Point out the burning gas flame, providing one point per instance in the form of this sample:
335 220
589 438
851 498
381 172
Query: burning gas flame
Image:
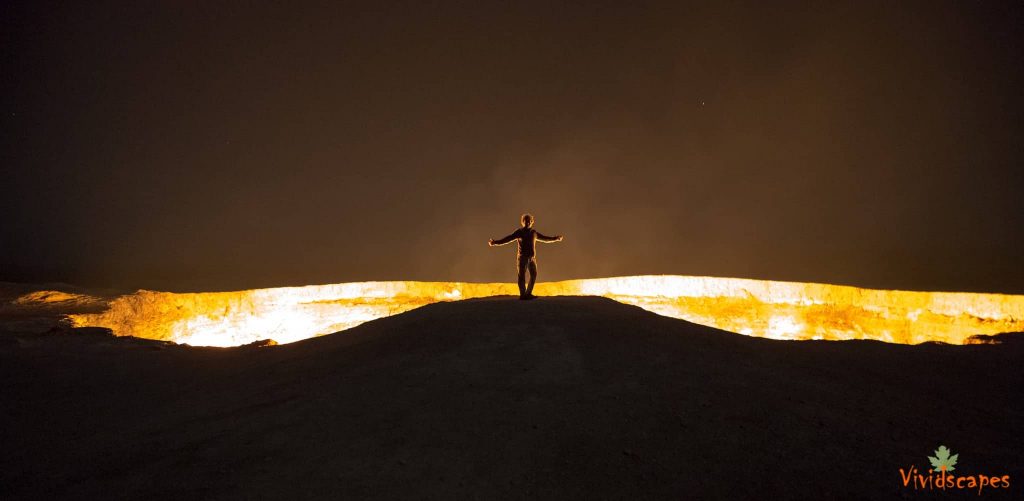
777 310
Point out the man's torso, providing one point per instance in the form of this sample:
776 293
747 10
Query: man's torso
527 238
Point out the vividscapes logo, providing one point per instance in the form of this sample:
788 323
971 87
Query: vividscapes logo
938 476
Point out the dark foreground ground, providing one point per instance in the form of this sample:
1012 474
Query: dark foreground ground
556 398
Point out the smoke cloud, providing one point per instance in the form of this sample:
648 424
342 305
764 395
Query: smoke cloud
213 148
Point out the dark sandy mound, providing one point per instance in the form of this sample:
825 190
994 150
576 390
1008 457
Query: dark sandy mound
561 397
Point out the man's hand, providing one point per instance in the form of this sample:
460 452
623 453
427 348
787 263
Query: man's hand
490 242
558 238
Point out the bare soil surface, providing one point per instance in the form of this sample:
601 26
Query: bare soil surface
557 398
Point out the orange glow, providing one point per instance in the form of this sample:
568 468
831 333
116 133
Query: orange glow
777 310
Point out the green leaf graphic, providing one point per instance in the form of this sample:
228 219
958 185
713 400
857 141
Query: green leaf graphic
942 460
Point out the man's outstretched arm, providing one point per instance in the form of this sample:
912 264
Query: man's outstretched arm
501 241
546 239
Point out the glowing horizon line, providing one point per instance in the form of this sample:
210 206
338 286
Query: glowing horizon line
764 308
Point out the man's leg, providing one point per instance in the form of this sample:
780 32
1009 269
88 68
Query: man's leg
522 277
533 276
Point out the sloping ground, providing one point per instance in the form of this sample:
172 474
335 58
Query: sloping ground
563 397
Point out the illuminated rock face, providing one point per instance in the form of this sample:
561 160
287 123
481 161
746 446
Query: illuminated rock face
778 310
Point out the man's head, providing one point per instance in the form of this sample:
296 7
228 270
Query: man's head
527 220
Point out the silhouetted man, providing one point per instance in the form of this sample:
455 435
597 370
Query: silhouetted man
526 237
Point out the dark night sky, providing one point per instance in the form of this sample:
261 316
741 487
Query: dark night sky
201 146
